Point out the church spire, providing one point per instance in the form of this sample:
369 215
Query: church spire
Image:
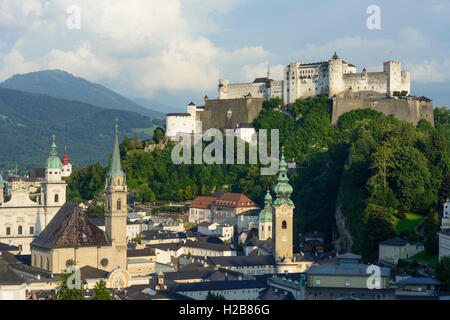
53 161
266 214
116 166
283 189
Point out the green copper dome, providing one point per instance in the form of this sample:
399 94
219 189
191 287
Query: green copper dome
283 189
53 161
266 214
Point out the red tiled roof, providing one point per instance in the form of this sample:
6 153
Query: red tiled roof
234 200
202 202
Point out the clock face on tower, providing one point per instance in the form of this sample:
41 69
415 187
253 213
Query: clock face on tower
285 209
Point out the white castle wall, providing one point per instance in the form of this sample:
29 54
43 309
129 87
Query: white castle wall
302 80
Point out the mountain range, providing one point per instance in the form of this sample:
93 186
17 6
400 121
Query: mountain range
61 84
28 121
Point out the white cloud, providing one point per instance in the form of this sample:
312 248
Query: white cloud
250 72
430 71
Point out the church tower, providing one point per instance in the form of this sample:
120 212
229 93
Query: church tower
66 165
116 202
283 216
53 192
2 185
446 215
265 219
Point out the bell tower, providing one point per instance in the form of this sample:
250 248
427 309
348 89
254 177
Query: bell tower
283 216
53 192
265 219
116 201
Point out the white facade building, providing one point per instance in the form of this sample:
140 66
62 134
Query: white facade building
21 219
302 80
444 243
446 215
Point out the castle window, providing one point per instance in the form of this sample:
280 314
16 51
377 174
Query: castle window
284 224
56 198
31 230
8 231
119 204
19 230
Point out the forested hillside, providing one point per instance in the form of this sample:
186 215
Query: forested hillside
385 176
28 121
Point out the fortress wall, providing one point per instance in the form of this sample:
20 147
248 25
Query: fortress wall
236 91
410 110
375 81
242 111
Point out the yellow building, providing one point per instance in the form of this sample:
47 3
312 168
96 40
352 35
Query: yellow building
72 236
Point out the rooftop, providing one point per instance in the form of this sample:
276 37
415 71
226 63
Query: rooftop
220 285
242 261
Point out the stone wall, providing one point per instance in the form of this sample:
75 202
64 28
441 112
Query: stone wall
228 113
408 109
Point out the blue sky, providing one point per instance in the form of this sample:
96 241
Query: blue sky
174 51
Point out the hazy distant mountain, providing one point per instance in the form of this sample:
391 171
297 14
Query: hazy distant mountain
154 105
61 84
28 120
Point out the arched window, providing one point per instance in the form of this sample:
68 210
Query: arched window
119 204
284 224
262 228
268 228
41 264
56 198
19 231
48 264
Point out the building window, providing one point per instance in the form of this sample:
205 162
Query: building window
284 224
8 231
48 264
41 264
119 205
32 230
347 283
56 198
317 281
19 230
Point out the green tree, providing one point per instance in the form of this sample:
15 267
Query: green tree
62 290
212 296
431 229
100 291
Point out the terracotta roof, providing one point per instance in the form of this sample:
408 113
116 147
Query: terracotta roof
202 202
70 228
234 200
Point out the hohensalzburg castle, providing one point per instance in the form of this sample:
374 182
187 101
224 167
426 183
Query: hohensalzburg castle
239 104
303 80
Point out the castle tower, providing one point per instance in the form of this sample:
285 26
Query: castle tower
2 186
283 216
336 77
116 203
53 192
393 69
446 215
265 219
66 165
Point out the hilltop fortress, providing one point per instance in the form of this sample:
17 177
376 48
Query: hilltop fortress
239 104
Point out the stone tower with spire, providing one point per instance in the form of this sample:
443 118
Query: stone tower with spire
265 219
2 186
116 206
53 190
283 209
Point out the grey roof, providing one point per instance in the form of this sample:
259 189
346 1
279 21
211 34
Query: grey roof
99 222
445 232
242 261
134 253
345 270
220 285
7 247
414 280
8 276
178 114
396 242
70 228
349 256
145 292
159 234
88 272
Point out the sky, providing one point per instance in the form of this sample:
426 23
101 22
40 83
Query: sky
175 51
